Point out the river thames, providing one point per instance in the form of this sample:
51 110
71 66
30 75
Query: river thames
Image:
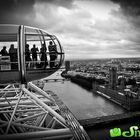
83 104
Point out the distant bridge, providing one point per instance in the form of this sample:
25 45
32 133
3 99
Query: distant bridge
55 80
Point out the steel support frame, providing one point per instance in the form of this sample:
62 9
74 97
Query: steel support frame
13 124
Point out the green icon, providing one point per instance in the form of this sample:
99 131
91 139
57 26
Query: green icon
116 132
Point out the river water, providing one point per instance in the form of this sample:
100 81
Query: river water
83 104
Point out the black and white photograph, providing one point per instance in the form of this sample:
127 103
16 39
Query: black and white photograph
69 69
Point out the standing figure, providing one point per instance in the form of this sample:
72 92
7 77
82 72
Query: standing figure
4 51
27 55
53 54
43 58
34 51
13 57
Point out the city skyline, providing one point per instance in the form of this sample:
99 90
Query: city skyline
86 28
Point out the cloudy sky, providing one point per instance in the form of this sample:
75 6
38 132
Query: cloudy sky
86 28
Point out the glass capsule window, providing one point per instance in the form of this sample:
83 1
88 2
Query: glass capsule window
32 53
8 48
42 51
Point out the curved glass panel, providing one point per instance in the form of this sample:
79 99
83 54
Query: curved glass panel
42 51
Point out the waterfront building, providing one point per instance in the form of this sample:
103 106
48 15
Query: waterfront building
67 65
122 84
113 78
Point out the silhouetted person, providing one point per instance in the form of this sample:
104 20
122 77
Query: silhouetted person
13 57
4 51
34 51
43 58
53 54
27 54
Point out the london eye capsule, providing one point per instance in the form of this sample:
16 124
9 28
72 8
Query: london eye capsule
27 54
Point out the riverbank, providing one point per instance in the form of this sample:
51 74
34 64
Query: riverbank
78 79
110 120
125 101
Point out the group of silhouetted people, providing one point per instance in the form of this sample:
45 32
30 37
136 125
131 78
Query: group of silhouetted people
34 51
43 55
13 55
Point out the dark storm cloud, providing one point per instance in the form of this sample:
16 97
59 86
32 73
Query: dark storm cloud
22 11
13 11
131 10
64 3
129 7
